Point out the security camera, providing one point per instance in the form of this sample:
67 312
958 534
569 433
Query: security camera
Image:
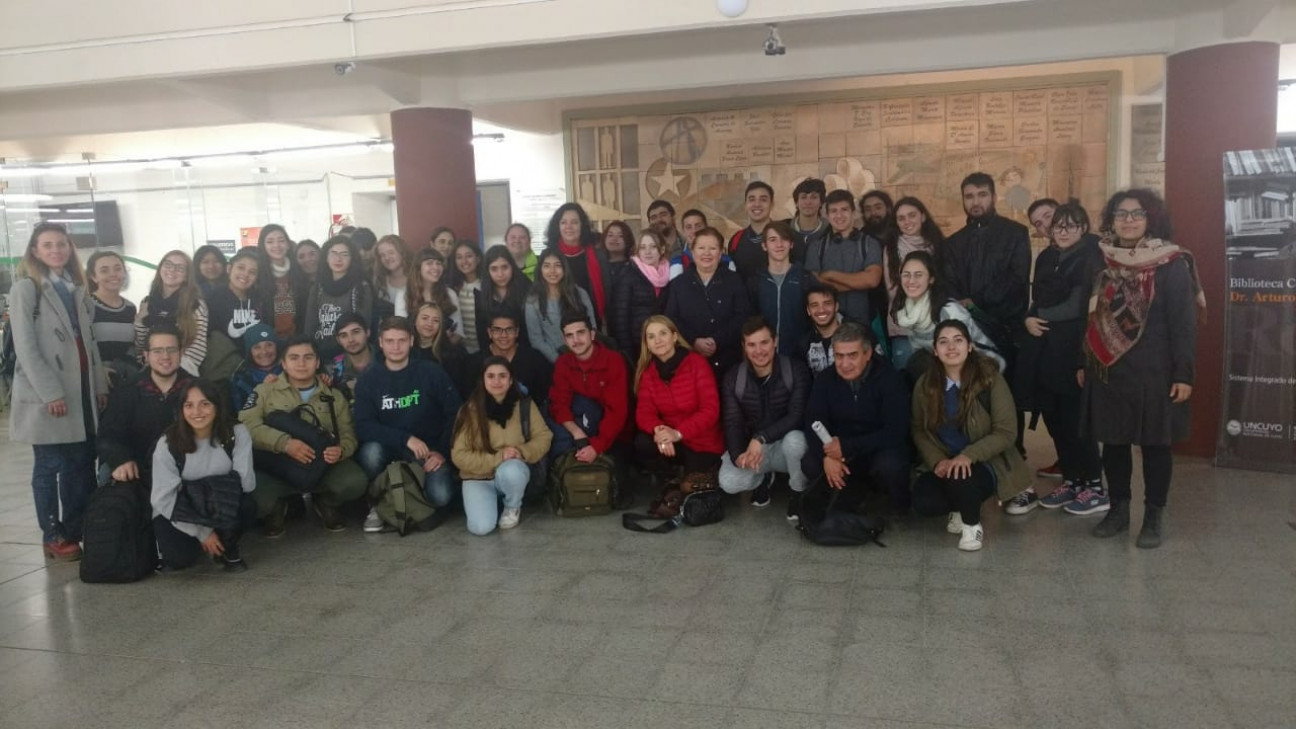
344 69
773 43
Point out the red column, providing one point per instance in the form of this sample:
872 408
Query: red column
1218 98
436 179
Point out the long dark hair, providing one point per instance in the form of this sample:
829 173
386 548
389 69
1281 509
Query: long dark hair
627 234
518 285
930 232
553 236
414 284
355 275
180 435
472 420
568 299
210 250
453 273
297 279
978 374
1158 218
937 294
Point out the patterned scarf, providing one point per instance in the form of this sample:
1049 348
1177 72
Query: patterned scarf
1123 295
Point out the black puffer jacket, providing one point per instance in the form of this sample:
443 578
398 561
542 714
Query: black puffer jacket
769 409
1063 282
633 301
716 310
989 262
136 415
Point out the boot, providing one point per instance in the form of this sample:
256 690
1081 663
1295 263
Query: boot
1116 522
1150 535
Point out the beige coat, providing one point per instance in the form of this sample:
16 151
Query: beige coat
477 465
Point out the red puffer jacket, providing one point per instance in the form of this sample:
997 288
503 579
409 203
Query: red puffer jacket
689 404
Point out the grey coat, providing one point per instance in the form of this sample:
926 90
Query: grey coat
48 365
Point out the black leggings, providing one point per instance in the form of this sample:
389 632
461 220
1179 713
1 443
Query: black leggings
650 458
936 496
1077 455
1158 465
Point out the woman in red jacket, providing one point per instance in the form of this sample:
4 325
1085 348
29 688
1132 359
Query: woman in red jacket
678 412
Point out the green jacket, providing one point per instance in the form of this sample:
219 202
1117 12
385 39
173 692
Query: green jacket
269 397
992 434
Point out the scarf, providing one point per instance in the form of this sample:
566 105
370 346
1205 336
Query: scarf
658 275
337 287
1123 296
666 370
916 314
280 271
595 272
500 412
907 244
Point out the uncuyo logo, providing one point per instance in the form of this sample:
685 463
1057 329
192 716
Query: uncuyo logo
1233 428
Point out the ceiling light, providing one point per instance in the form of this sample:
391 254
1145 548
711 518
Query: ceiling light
9 197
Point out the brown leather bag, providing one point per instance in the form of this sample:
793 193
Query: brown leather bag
698 481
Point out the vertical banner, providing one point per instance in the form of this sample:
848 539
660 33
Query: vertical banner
1258 423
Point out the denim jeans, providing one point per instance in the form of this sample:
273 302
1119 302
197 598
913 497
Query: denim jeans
781 456
438 485
481 498
63 473
587 414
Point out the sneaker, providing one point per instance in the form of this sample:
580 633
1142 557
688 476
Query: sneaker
510 518
1061 496
760 498
273 523
1023 503
328 515
794 508
233 560
973 538
61 550
1052 471
1092 500
373 523
955 523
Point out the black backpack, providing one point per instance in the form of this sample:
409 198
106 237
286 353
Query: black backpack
117 536
8 356
823 523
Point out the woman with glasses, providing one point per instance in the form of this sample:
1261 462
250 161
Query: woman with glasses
1047 356
922 302
915 230
341 289
59 385
1139 349
175 299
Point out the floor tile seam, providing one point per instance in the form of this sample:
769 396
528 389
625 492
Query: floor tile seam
34 569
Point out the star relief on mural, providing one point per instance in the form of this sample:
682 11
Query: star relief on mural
668 180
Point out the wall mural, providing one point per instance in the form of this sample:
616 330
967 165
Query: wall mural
1042 140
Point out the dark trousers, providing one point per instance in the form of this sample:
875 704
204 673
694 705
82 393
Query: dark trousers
886 469
179 550
1077 455
936 496
651 459
63 476
1158 465
587 414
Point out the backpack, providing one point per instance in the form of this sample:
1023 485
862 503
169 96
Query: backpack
785 374
824 524
536 487
8 355
117 535
582 489
398 498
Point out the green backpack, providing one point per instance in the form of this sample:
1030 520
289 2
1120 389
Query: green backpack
398 498
582 489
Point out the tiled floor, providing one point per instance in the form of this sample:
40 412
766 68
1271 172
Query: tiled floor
578 623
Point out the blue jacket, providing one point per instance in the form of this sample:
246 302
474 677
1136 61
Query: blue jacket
246 378
783 306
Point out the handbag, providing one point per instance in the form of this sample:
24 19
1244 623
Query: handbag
211 501
699 507
302 424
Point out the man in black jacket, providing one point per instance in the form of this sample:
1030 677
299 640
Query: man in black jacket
864 404
762 403
140 409
987 264
531 370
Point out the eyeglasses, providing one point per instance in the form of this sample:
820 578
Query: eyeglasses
160 351
335 253
1065 227
173 266
1139 214
503 330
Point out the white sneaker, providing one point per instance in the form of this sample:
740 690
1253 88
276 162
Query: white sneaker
973 538
955 523
510 518
373 523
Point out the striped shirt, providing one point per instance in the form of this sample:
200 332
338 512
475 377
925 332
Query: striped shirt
114 329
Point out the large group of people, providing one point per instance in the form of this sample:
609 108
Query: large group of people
852 347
